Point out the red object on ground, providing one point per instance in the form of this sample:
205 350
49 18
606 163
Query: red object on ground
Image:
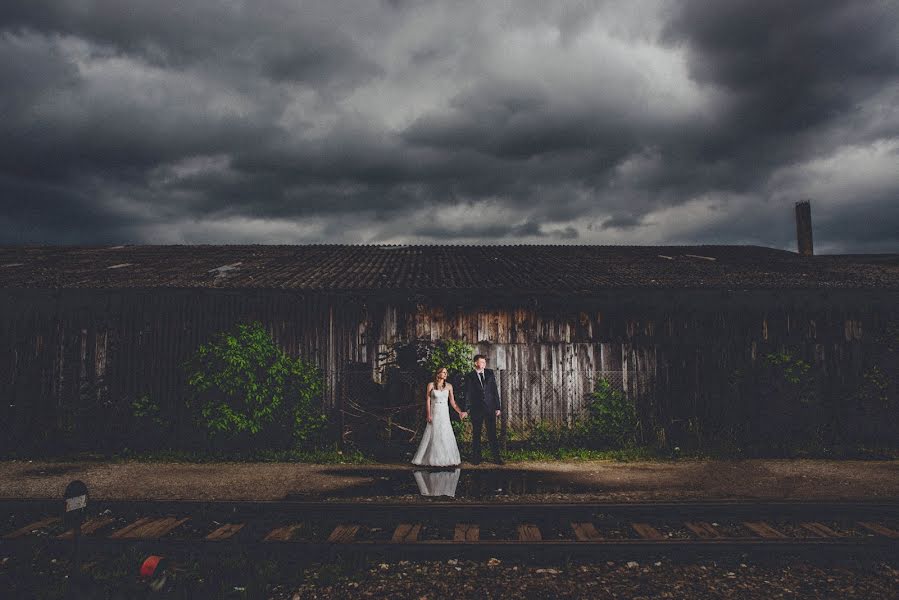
148 568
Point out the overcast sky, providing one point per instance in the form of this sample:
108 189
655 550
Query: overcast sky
632 122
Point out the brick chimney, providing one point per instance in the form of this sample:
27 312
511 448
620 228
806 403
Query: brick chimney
804 228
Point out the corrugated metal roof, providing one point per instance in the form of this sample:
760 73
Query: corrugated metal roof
333 267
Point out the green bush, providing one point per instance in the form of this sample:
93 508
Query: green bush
788 369
790 417
462 430
611 421
548 436
455 355
873 389
610 424
245 388
545 435
151 428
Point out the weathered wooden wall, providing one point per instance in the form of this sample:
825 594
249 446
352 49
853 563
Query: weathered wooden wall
62 351
672 353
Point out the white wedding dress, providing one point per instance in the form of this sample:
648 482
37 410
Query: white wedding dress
438 446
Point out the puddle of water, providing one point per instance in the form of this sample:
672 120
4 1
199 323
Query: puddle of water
458 483
437 483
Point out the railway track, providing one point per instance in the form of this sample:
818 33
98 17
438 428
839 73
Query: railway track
307 531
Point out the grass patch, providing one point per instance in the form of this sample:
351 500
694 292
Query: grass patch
273 456
575 454
645 453
323 456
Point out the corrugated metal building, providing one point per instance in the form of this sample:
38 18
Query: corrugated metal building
87 325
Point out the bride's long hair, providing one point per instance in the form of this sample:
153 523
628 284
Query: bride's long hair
437 372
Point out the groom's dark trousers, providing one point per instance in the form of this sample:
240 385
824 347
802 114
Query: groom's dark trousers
483 402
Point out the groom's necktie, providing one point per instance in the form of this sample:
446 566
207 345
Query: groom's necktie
481 377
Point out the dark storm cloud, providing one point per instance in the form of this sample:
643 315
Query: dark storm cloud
621 221
495 230
594 122
788 67
38 210
280 39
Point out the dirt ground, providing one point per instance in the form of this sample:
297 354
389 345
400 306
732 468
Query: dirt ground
530 481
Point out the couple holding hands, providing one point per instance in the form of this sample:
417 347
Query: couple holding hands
438 447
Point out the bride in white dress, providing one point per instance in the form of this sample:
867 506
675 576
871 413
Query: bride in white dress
438 446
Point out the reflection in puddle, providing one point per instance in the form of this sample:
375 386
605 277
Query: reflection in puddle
437 483
465 483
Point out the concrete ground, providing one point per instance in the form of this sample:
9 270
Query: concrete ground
527 481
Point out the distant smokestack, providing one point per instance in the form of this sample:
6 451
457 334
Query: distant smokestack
804 228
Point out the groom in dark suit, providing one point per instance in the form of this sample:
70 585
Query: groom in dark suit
482 398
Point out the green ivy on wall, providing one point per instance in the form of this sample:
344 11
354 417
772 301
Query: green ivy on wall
243 383
455 355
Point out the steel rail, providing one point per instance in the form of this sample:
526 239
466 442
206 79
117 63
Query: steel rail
258 518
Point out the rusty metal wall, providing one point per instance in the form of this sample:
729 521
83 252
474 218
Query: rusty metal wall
63 351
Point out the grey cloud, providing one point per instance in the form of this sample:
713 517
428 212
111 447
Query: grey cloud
621 221
367 119
519 124
32 211
281 38
488 231
789 67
